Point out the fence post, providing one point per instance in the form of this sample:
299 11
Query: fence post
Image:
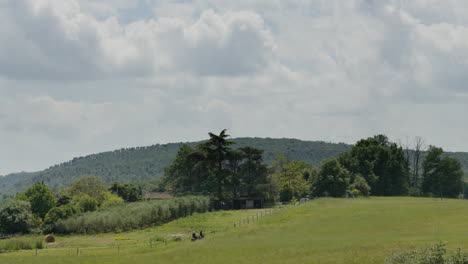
77 251
36 251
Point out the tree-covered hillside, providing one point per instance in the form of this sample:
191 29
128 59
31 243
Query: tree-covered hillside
146 163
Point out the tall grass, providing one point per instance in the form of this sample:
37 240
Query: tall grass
21 243
133 215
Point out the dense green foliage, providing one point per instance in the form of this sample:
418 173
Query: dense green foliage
61 212
436 254
143 165
15 217
292 178
88 185
333 179
40 198
21 244
215 168
382 164
128 192
133 215
442 176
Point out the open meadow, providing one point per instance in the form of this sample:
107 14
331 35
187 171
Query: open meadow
320 231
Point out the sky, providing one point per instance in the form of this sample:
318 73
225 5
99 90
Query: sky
85 76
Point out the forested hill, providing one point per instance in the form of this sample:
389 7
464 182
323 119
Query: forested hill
147 163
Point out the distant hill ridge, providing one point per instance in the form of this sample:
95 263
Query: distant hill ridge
147 163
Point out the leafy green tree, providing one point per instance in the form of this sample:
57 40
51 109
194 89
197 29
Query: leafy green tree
382 164
441 176
60 212
63 200
289 176
89 185
333 179
128 192
85 203
15 217
112 200
40 197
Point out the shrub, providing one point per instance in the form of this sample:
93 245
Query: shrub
21 243
355 192
15 217
436 254
85 203
361 185
112 200
132 215
60 212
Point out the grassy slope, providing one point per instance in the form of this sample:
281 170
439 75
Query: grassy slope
323 231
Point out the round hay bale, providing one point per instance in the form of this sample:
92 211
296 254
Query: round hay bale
49 239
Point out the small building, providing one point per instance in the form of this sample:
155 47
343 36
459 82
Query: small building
157 196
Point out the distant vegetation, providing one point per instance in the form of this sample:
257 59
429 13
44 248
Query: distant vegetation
132 216
22 243
372 166
221 172
145 165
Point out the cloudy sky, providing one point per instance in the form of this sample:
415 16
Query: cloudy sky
85 76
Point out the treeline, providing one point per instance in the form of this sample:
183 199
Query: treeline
143 166
372 166
38 209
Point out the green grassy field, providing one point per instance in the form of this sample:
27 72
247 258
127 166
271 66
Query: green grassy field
322 231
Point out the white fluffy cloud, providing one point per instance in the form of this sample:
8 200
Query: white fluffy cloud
85 76
56 40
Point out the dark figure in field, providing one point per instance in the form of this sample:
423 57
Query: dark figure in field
194 237
201 235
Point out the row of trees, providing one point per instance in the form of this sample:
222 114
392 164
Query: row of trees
39 209
373 165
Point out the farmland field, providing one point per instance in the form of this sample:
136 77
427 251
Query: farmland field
321 231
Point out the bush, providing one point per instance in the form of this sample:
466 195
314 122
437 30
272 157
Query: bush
355 192
286 194
21 244
132 215
60 212
15 217
112 200
85 203
361 185
436 254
